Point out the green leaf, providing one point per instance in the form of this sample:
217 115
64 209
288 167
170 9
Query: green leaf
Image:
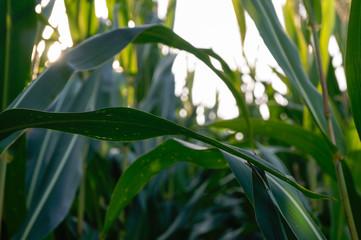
353 62
18 27
267 215
313 7
97 50
327 29
239 11
290 203
294 32
306 141
14 202
286 55
286 198
150 164
354 197
57 160
123 124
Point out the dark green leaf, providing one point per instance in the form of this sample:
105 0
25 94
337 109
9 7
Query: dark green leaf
308 142
123 124
354 197
18 28
57 160
267 215
353 62
14 202
314 10
150 164
286 199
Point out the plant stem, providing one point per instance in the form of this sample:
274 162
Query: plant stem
337 158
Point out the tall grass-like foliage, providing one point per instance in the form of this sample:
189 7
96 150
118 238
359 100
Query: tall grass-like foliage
97 145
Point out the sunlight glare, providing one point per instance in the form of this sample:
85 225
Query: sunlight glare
131 24
44 3
280 99
48 31
259 89
54 52
116 66
337 61
101 9
162 8
41 47
38 8
263 109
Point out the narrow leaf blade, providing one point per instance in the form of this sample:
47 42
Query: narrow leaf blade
150 164
123 124
353 62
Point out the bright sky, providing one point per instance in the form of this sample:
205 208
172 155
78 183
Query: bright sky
213 24
206 24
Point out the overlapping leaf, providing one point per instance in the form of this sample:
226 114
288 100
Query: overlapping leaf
286 199
123 124
96 51
353 62
306 141
286 55
150 164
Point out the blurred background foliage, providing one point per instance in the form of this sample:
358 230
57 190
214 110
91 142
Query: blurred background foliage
184 201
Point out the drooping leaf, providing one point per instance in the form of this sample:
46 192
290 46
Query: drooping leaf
291 204
123 124
353 63
96 51
308 142
286 198
145 167
267 215
57 161
286 55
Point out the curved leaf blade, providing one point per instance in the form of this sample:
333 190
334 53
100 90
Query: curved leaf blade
123 124
353 62
267 215
150 164
286 199
308 142
97 50
286 55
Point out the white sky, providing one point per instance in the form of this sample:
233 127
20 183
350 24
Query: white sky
213 24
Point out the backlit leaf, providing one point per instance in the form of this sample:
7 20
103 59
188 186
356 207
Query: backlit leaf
353 62
123 124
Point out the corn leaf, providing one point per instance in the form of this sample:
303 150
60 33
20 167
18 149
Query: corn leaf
150 164
123 124
353 63
306 141
286 55
94 52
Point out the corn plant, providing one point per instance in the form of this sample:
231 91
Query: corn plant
89 151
